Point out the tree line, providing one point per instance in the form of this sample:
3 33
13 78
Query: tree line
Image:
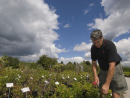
44 62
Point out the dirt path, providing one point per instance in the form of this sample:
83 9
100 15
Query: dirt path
127 93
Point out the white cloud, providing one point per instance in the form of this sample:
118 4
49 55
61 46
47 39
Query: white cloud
126 63
83 47
27 29
91 4
124 50
117 21
90 24
67 26
73 59
87 55
111 6
86 11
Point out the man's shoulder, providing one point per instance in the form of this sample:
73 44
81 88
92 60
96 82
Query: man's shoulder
93 47
109 42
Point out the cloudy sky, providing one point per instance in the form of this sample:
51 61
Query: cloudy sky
61 28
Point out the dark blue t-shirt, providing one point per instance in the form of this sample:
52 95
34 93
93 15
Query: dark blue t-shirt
105 54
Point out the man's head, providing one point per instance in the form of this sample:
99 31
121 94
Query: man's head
97 38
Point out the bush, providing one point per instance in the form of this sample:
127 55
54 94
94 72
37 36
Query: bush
9 61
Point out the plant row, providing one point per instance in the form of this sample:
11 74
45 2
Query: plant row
47 84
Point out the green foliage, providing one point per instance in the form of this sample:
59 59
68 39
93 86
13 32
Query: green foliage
87 63
69 66
21 78
62 62
9 61
74 63
32 65
0 60
127 74
86 68
79 90
54 61
126 68
46 61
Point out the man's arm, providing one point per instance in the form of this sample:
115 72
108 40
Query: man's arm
94 67
110 73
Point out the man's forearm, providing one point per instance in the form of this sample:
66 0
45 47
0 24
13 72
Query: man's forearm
110 73
94 67
94 70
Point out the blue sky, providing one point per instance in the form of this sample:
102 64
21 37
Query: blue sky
76 14
62 28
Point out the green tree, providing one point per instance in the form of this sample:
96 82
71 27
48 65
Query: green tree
15 63
45 61
69 66
62 62
74 63
10 61
4 58
87 62
54 61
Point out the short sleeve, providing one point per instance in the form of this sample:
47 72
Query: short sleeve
93 54
112 55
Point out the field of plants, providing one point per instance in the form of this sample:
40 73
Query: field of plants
47 84
45 81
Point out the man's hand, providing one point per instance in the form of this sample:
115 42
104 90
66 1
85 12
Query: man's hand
94 67
105 89
96 78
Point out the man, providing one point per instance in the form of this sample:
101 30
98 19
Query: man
111 74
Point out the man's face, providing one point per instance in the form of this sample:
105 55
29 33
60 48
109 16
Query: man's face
98 43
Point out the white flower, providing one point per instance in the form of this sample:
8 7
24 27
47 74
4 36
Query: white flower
75 79
46 82
63 78
42 76
57 83
6 76
68 77
50 74
111 94
19 76
81 77
31 77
